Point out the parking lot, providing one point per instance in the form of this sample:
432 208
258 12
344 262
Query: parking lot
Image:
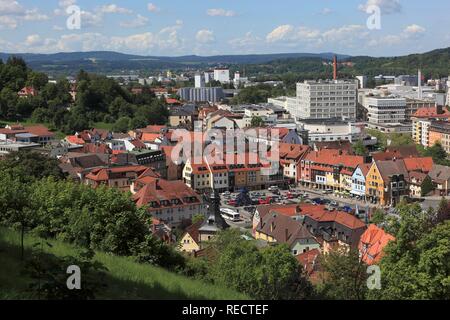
292 196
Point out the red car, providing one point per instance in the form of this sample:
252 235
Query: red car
232 203
263 201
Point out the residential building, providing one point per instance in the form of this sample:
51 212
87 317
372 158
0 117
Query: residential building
154 159
29 134
422 120
291 156
282 229
440 132
222 75
199 81
169 201
329 170
440 175
243 171
386 182
416 183
359 180
183 117
115 177
190 241
325 99
27 92
372 244
333 229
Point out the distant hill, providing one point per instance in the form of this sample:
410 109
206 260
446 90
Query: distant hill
435 63
109 62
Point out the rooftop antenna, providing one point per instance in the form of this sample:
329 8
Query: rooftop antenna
335 73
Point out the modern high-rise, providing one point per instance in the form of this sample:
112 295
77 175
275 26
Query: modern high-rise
325 100
222 75
386 110
199 81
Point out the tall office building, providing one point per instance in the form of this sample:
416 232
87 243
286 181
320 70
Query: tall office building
199 81
325 100
222 75
387 110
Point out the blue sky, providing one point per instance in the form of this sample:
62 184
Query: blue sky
210 27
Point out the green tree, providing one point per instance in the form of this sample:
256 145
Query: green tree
345 276
257 122
272 273
122 124
359 148
427 186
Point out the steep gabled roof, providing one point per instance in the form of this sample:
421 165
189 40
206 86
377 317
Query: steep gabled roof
372 243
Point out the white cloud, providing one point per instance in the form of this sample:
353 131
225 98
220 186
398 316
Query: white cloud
35 15
409 33
246 42
414 30
280 33
326 11
205 36
386 6
290 33
221 13
114 8
11 7
153 8
8 22
139 21
33 40
91 19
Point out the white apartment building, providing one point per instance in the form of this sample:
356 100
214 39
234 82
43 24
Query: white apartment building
386 110
324 100
222 75
199 81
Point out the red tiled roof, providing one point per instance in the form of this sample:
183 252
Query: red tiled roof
193 231
292 151
75 140
372 243
431 113
158 190
39 131
419 164
150 137
334 158
321 214
103 174
308 260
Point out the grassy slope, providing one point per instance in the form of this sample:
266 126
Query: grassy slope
126 279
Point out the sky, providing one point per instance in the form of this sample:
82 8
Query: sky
216 27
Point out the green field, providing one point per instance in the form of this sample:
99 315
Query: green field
125 279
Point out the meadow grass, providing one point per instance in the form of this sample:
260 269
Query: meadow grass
125 278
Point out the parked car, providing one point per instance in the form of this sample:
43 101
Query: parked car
232 203
317 201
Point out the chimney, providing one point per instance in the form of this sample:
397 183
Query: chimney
286 233
419 78
335 75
